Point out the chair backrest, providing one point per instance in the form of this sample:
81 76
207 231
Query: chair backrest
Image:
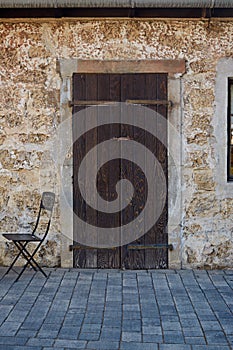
47 203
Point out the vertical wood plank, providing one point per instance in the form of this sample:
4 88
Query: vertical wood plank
108 90
79 92
91 139
151 236
162 154
132 87
103 94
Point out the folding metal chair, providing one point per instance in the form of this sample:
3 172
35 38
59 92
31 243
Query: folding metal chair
21 240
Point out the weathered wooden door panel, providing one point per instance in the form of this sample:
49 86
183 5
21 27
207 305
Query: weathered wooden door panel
120 88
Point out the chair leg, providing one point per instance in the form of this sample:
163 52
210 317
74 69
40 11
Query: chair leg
24 268
16 258
29 259
23 250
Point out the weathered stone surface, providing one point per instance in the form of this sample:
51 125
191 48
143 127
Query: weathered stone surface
192 230
198 159
200 98
16 160
202 66
29 117
209 254
33 138
204 179
203 205
226 207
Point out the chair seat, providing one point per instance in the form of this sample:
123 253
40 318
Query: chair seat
21 237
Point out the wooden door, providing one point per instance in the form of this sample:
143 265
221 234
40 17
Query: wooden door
88 89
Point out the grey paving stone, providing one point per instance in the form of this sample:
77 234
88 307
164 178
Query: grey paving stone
50 327
171 326
34 319
54 319
195 340
152 338
190 323
209 317
92 327
113 322
70 320
69 332
19 347
192 332
118 314
230 340
215 337
103 345
211 325
48 334
16 316
112 334
40 342
169 318
210 347
131 325
174 347
224 315
132 315
93 319
90 336
111 337
5 309
128 298
29 297
138 346
73 344
152 330
131 307
9 329
227 326
55 314
131 337
33 326
6 347
171 310
26 333
52 348
13 340
184 316
153 321
173 337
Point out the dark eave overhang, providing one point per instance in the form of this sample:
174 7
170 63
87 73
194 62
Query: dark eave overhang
116 8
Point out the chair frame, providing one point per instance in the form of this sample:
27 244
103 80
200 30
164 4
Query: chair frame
21 240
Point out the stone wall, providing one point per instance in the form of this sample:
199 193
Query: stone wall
29 114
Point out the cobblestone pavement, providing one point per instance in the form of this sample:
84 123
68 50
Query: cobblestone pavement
110 310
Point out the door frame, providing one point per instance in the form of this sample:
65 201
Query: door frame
174 68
